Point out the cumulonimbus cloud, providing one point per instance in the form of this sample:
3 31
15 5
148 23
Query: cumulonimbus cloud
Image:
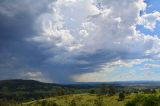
75 29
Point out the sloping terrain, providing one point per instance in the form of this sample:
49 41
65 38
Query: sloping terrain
80 100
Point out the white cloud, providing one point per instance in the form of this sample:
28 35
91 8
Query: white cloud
34 75
84 27
124 63
150 66
149 20
94 29
103 73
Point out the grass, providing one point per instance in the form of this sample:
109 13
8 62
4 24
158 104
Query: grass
81 100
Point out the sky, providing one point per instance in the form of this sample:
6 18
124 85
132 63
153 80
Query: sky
66 41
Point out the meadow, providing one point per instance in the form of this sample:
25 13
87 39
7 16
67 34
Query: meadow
81 100
98 100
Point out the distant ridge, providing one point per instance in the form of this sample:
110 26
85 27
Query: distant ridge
15 85
23 81
30 84
122 83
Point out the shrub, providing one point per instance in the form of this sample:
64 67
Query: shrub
44 103
144 100
73 103
121 96
99 101
92 91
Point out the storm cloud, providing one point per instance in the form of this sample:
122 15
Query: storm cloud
62 40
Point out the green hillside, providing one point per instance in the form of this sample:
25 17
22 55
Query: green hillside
26 90
98 100
93 100
81 100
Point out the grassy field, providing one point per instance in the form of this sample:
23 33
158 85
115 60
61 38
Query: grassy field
81 100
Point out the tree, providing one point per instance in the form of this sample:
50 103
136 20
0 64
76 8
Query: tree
108 89
92 91
103 89
60 91
121 96
111 90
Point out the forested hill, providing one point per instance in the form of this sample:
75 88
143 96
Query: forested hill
25 85
26 90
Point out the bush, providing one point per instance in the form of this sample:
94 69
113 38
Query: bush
121 96
99 101
73 103
44 103
92 91
145 100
